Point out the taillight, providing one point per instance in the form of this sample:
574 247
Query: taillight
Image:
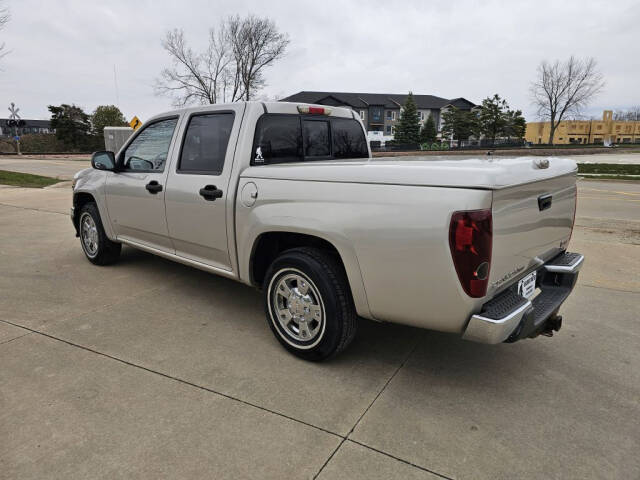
470 240
314 110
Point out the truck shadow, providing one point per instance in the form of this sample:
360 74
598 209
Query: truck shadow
420 352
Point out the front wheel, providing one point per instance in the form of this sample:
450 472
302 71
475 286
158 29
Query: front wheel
308 303
96 245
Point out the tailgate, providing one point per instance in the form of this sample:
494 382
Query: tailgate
532 223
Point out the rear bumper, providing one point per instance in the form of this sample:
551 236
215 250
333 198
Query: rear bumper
509 316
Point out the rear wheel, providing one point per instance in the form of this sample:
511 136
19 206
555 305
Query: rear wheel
95 243
308 303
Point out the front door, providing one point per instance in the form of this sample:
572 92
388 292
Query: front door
136 193
197 187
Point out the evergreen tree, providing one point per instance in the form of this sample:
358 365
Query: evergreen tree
493 117
428 133
408 130
71 124
458 124
516 124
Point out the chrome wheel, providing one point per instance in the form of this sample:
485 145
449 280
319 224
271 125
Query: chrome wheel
297 308
89 235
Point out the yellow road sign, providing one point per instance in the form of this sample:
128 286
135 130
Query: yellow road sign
135 123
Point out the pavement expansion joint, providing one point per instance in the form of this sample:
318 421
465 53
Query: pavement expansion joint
599 287
391 377
419 467
31 208
14 338
176 379
343 438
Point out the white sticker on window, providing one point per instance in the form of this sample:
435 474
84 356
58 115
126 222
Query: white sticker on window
259 158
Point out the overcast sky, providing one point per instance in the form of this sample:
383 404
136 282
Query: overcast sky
65 51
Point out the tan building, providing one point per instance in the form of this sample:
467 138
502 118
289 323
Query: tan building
606 130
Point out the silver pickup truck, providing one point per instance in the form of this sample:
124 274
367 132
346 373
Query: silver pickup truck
286 197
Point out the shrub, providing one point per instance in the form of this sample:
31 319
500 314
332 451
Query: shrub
48 143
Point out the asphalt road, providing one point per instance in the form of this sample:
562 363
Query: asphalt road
623 157
56 168
65 169
150 369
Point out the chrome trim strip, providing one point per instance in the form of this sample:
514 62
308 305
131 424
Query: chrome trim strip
183 260
490 330
573 268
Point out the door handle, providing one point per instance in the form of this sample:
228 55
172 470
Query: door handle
210 193
544 202
153 187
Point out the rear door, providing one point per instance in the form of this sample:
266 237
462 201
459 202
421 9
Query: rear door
198 186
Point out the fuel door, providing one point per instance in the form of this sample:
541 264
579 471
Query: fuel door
249 194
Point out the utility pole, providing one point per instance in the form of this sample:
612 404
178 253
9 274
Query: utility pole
14 120
115 84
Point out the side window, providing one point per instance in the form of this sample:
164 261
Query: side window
149 150
316 138
348 139
205 143
278 139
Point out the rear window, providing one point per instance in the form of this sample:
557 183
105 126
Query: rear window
348 139
316 138
282 138
205 144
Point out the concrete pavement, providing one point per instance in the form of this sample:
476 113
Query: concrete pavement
151 369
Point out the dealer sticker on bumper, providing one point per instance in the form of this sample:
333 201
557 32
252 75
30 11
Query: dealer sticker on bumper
527 286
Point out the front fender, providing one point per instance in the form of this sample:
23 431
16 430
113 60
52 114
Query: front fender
92 182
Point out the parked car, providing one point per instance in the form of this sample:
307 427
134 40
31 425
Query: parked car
286 197
378 136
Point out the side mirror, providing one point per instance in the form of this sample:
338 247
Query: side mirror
103 161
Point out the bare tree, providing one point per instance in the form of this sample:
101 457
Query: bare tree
4 19
192 77
256 43
231 69
565 88
633 114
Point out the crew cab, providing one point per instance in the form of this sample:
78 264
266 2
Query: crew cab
285 197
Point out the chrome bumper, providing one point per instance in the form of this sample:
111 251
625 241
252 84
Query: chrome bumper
510 317
489 330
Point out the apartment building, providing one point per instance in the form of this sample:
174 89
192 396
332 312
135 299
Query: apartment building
380 112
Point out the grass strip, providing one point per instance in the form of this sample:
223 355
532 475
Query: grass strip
609 177
26 179
609 168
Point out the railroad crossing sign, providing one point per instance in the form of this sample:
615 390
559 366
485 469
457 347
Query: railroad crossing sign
14 112
15 122
134 123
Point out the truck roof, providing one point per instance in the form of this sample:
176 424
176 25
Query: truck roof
268 107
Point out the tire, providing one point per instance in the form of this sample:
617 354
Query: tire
97 247
314 281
